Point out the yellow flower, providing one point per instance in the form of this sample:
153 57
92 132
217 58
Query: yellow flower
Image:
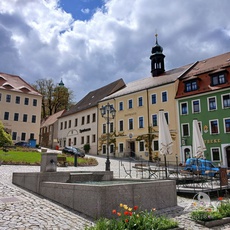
137 215
121 205
130 209
194 203
125 206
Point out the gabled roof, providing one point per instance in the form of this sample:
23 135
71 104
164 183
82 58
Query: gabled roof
15 83
151 82
93 97
210 65
51 119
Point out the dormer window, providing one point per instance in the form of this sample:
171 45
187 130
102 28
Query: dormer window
218 79
191 86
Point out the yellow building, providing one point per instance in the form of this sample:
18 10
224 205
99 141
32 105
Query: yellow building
20 108
134 130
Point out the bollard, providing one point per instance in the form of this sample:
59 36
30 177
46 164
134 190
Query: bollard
75 160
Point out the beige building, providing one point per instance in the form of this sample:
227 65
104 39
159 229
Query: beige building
49 131
78 125
20 108
134 130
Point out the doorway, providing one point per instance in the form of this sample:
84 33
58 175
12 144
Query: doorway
132 148
228 155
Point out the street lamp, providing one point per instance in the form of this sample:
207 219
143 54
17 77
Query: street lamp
108 112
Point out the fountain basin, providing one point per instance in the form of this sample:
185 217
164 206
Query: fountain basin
96 194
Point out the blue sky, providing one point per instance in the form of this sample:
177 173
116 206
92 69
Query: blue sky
91 43
81 9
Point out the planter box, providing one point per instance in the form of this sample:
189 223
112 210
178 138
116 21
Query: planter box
213 223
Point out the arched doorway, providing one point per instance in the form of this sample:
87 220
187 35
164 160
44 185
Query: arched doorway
186 153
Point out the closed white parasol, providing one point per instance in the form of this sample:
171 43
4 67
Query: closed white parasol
198 142
165 139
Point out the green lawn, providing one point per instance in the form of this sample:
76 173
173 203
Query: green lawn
28 156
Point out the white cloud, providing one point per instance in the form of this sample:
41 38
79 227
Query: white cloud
85 11
40 40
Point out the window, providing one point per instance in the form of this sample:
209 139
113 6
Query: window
35 102
164 96
130 123
130 104
226 101
26 101
104 128
141 146
69 124
121 106
87 139
121 147
211 103
227 125
88 119
154 119
167 117
61 126
214 127
74 141
83 120
17 100
25 117
76 121
104 149
23 136
94 117
184 108
215 154
111 127
155 146
141 122
154 98
31 136
196 106
140 101
6 115
191 86
14 136
8 98
93 138
121 125
218 79
33 118
111 147
185 130
82 140
16 116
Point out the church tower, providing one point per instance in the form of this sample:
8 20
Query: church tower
157 60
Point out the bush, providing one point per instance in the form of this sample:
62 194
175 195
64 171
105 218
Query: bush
86 148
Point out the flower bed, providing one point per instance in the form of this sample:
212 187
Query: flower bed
131 218
212 215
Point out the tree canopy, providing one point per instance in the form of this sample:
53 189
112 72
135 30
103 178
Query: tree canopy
5 138
56 97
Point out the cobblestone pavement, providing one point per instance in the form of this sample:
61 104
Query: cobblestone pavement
20 209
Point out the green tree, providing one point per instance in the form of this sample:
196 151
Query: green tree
55 97
5 138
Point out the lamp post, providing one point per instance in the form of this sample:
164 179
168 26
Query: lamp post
108 112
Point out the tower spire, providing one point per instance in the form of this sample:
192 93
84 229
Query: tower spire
157 59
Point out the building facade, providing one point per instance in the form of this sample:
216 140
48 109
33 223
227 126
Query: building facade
78 126
20 108
204 94
49 131
134 130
